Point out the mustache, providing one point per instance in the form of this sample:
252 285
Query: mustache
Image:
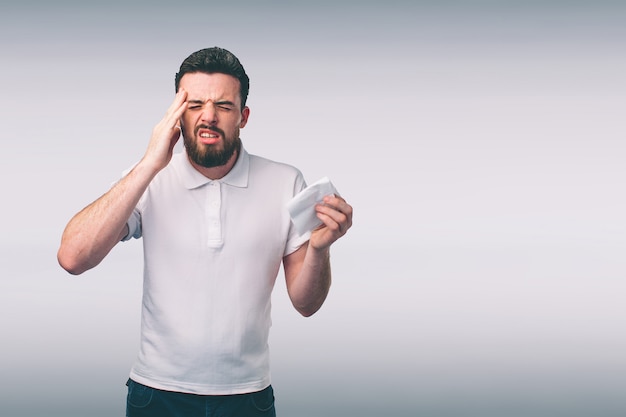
211 128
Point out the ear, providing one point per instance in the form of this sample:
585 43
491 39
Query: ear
245 113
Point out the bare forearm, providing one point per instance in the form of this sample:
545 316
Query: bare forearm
309 288
94 231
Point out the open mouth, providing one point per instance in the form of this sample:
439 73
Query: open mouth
208 136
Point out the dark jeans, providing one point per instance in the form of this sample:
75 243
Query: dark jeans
143 401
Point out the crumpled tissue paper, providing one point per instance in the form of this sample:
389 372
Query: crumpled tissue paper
302 206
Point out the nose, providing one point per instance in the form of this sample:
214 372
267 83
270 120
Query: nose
209 114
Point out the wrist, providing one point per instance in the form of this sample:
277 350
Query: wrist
150 166
320 252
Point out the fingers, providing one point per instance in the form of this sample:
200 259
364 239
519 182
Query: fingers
167 132
179 100
176 110
170 124
338 203
336 214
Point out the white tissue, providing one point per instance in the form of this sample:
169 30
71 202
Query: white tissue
302 206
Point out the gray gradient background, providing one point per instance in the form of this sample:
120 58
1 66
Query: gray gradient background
481 144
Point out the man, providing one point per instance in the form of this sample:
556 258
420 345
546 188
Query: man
215 230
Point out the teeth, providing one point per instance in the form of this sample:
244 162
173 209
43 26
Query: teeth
207 135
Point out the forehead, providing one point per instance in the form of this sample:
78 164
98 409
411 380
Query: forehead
202 86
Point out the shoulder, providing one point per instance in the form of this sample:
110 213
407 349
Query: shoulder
278 176
264 165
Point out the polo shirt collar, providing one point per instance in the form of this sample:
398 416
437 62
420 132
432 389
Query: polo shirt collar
237 176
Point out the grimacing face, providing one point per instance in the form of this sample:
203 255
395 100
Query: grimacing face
211 123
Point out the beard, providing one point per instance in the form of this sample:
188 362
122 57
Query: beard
210 156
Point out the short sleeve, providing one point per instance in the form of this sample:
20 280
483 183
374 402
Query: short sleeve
294 238
134 226
134 221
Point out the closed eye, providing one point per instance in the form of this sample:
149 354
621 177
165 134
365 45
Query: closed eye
195 104
225 105
222 105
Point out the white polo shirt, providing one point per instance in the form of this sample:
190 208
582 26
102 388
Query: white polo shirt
212 251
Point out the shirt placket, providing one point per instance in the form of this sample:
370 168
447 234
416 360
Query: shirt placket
214 206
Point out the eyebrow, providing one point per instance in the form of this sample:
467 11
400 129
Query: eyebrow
217 103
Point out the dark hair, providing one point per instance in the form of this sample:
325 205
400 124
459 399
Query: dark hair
212 60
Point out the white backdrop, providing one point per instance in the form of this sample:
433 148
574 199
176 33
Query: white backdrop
481 144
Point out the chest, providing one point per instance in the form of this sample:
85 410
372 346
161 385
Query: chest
215 217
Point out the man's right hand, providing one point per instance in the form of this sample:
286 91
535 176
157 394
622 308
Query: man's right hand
166 133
